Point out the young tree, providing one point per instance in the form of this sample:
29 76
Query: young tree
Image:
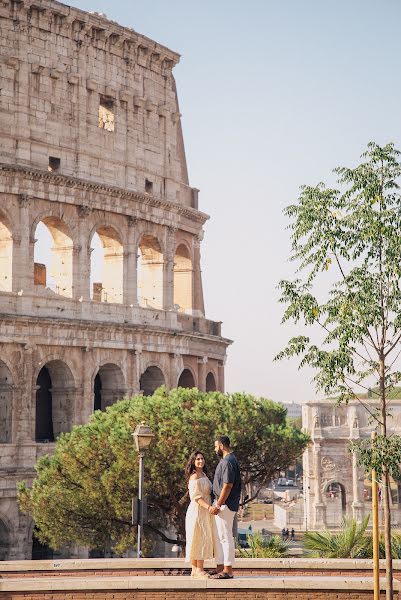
82 493
351 236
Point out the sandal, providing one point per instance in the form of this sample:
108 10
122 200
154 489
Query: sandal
201 575
221 575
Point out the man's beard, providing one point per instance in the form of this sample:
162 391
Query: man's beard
219 453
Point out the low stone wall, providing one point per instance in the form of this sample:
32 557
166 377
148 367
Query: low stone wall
185 588
127 567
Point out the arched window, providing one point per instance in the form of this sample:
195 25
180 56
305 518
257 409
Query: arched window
53 257
6 258
186 379
6 402
150 273
210 383
55 394
183 279
40 551
107 264
109 386
150 380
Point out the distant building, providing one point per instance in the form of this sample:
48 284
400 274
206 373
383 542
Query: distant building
294 409
334 485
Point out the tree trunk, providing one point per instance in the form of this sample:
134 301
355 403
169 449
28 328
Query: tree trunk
385 491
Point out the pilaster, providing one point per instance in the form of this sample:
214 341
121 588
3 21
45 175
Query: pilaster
168 270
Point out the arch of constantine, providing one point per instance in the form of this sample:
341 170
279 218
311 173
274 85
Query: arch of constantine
334 485
92 163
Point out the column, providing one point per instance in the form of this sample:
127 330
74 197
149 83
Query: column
82 257
176 366
132 374
84 401
24 416
168 269
320 508
197 290
357 505
138 365
131 266
202 363
23 250
220 376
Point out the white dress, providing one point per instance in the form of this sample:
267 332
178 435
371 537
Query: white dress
200 525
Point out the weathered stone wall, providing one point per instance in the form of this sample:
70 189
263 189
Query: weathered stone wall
90 145
58 64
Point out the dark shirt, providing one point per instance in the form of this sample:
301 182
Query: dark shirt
227 471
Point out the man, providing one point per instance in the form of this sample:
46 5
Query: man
227 493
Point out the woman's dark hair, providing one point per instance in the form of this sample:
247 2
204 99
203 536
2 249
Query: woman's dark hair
190 468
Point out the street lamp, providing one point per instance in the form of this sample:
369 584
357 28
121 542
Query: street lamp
143 437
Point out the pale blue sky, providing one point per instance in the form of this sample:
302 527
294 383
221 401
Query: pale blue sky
274 94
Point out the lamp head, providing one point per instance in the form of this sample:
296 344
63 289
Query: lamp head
143 437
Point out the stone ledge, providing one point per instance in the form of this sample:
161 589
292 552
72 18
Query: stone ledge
186 583
170 564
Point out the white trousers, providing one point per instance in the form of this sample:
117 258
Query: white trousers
225 548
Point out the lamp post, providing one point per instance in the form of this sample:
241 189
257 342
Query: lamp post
143 437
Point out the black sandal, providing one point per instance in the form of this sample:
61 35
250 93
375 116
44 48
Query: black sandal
221 575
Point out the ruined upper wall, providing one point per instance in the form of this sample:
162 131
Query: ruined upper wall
61 71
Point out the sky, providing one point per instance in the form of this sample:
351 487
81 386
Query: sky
274 95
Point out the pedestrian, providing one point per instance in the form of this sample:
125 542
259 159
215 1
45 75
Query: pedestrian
227 493
292 534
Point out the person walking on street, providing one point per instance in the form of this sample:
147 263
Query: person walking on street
227 493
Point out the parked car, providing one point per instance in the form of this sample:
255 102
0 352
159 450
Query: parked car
281 481
290 482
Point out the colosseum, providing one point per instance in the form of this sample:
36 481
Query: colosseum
100 234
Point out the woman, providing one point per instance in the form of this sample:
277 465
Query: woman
199 522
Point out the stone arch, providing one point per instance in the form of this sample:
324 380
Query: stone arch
55 395
211 385
108 386
107 264
186 379
335 499
6 403
52 237
5 539
183 276
40 551
150 272
151 379
6 254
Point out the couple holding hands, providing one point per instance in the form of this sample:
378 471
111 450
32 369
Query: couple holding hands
209 527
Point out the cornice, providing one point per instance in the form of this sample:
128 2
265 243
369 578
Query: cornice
114 191
126 328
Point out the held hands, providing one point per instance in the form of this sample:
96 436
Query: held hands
214 510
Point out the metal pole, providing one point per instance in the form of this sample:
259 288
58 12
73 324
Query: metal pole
375 516
140 504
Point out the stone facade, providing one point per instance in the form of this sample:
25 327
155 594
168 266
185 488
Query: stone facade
91 148
334 485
